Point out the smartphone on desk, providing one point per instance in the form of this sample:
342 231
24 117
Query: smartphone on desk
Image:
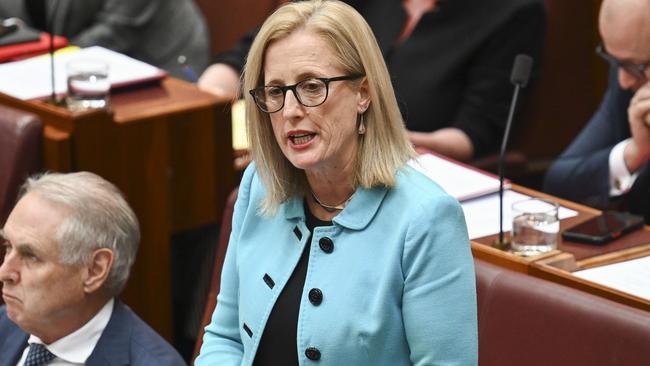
603 228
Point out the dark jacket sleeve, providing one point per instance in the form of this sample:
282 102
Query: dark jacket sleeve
483 111
581 173
236 56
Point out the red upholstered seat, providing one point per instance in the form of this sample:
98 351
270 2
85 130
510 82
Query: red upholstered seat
524 320
220 254
20 153
20 156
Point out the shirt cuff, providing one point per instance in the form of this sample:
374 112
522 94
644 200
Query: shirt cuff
620 179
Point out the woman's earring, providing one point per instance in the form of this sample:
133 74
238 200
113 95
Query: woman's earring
362 126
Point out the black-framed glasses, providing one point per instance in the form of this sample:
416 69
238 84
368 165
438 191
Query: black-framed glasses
636 70
310 92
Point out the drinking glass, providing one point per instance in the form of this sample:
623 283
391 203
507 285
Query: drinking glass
88 84
535 226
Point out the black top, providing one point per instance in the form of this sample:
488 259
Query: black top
454 69
279 345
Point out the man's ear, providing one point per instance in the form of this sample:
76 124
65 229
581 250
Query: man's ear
97 269
364 96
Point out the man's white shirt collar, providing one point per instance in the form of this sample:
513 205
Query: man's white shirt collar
76 347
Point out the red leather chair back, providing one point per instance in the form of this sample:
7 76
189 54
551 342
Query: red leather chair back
20 154
525 320
215 282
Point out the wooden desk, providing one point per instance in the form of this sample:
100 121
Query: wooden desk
557 266
168 148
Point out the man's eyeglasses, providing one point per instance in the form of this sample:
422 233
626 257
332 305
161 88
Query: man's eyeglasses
636 70
310 92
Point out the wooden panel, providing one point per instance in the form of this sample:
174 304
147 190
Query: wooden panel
570 85
229 20
557 266
549 270
57 150
140 164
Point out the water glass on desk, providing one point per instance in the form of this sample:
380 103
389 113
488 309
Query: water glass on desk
88 84
535 226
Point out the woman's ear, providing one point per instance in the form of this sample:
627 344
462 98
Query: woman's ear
97 269
363 96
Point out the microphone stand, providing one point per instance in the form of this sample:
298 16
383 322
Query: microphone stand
519 77
502 243
50 25
51 51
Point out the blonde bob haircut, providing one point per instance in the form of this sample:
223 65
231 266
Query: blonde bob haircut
383 149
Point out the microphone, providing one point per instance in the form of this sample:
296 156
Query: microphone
519 78
7 27
50 29
51 52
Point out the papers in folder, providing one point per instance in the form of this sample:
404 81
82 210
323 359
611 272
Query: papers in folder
30 78
478 193
460 181
632 276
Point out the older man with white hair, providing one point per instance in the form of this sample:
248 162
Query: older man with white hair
69 245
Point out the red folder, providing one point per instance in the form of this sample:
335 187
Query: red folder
28 49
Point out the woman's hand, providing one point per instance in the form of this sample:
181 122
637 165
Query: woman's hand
220 80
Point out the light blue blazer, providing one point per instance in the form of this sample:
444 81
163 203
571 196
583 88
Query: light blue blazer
397 288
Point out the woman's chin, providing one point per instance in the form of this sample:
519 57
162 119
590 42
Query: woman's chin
304 162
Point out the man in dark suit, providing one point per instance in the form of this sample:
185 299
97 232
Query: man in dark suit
607 164
69 245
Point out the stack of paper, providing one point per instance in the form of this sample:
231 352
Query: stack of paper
631 276
478 193
31 78
460 181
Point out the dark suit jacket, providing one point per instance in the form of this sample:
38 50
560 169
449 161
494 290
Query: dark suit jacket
126 340
581 173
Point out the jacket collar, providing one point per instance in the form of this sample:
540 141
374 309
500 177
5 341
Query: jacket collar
356 215
13 341
112 347
109 350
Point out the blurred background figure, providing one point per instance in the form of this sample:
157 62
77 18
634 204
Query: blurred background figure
607 164
449 62
156 32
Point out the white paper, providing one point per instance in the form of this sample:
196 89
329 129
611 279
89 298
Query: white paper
482 214
631 276
30 78
457 180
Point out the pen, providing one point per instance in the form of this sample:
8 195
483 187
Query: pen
190 75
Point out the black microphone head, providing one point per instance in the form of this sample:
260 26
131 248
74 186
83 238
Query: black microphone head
521 70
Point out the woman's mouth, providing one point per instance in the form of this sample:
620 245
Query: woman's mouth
300 139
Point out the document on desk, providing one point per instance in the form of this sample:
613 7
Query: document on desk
482 214
31 78
632 276
460 181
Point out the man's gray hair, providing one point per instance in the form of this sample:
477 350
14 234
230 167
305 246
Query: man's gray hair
99 217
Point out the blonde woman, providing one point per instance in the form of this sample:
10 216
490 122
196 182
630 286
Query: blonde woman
339 253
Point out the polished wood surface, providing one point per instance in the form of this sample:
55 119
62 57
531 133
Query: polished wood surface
482 247
561 273
558 265
168 148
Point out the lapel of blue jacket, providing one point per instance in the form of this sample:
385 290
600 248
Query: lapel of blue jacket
113 347
12 340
